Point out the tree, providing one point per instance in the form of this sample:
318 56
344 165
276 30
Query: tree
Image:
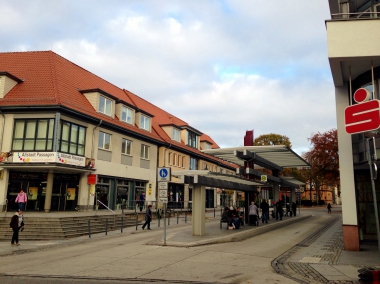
272 139
324 159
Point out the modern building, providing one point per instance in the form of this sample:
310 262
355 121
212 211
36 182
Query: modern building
73 141
354 56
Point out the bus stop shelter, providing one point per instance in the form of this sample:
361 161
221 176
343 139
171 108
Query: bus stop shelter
249 158
202 179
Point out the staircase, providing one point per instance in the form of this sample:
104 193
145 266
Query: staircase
42 228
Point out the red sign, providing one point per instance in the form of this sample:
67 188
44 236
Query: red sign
91 179
364 116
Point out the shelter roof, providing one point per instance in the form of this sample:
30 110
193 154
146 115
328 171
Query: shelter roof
265 156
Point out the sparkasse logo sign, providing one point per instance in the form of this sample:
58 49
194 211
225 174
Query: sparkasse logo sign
364 116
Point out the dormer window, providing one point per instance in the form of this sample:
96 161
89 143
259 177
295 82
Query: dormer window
192 139
105 105
176 134
145 122
126 114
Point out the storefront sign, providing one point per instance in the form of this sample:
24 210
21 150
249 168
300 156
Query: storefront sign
364 116
91 179
48 157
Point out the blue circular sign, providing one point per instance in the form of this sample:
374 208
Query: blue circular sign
163 173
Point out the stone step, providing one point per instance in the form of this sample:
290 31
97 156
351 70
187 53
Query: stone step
42 228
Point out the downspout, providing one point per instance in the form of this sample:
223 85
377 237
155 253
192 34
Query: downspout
92 156
2 131
93 138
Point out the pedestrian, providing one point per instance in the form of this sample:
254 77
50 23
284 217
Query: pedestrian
253 214
21 199
265 211
329 208
142 201
148 217
279 211
294 209
17 223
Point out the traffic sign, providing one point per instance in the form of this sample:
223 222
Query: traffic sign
163 200
264 178
162 185
163 193
164 174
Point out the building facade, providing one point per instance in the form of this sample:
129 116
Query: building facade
73 141
354 59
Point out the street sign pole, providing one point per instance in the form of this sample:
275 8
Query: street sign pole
164 224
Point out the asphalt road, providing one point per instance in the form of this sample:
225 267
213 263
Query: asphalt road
128 259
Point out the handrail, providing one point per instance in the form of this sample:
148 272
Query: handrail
346 16
105 206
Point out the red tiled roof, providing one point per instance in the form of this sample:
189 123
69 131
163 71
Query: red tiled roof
50 79
205 137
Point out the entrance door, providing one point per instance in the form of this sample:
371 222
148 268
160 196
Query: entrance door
64 196
34 196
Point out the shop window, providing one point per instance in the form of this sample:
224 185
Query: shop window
126 146
104 141
33 135
144 152
72 138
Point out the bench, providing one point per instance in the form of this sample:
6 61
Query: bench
223 221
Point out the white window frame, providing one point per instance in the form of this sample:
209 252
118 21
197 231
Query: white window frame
126 152
107 102
128 114
144 152
103 142
176 134
145 122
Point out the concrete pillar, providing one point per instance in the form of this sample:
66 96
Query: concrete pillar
292 195
199 208
346 167
49 191
276 191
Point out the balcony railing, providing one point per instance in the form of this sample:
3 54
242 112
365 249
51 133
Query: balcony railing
356 16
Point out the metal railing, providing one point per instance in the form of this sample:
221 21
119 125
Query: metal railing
355 16
114 214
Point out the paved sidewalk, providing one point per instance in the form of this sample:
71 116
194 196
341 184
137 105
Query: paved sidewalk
322 259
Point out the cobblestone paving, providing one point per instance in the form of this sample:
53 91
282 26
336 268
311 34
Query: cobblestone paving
303 272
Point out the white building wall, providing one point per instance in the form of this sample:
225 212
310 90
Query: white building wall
346 162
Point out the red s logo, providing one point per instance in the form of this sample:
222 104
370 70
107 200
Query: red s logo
364 116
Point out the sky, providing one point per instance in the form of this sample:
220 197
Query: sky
223 66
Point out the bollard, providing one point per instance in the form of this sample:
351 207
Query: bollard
177 217
169 217
106 226
214 212
137 220
185 216
159 219
89 229
122 219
